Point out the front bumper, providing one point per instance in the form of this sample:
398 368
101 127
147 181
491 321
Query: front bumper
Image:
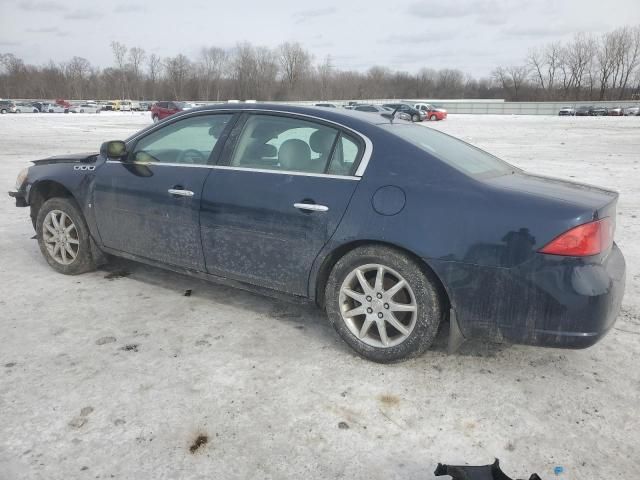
21 201
551 301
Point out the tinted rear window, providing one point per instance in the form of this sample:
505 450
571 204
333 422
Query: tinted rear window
460 155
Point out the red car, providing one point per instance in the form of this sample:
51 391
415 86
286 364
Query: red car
433 113
161 110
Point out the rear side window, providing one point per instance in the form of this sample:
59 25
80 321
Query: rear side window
282 143
456 153
344 156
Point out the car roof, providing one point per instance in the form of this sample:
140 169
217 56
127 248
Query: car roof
333 114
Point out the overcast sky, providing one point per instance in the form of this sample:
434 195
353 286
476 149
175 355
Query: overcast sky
472 35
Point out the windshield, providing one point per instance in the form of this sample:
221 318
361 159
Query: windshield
460 155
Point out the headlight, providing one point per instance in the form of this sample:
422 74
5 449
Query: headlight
22 177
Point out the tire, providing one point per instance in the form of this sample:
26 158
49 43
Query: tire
420 325
415 117
433 118
82 110
3 111
155 119
83 261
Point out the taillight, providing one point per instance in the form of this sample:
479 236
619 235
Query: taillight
584 240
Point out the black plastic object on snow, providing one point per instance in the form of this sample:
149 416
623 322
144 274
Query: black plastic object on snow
483 472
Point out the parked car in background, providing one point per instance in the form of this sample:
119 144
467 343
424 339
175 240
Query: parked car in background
162 110
385 111
433 113
583 111
55 108
7 106
85 108
26 108
125 106
63 103
599 111
415 114
632 111
389 227
615 112
40 105
327 105
567 112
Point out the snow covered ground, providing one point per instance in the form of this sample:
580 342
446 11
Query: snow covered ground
115 373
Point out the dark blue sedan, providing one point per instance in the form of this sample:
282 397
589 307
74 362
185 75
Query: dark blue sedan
392 228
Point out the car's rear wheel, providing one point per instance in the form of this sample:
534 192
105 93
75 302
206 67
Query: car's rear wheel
155 119
433 118
3 111
415 117
63 236
383 304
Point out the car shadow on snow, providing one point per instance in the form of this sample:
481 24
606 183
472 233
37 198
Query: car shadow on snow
301 316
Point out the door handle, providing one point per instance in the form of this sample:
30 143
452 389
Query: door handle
313 207
180 193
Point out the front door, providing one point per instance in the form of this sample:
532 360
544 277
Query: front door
148 205
281 194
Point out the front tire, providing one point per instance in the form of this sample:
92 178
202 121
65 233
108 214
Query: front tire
155 119
382 304
63 236
433 118
415 117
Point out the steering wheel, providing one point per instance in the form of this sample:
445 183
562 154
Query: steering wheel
191 156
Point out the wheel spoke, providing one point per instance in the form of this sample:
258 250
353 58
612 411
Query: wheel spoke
73 241
69 228
396 288
379 279
382 330
391 318
54 220
366 286
355 311
359 297
63 254
56 249
366 325
70 251
49 228
62 220
402 307
50 240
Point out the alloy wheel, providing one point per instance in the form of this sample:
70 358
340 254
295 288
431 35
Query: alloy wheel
378 305
60 237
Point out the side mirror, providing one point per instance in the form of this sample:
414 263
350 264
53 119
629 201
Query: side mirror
114 149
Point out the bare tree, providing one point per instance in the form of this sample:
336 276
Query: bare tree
325 75
119 54
154 65
177 70
213 62
77 70
136 57
295 62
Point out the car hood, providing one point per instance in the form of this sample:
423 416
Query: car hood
67 158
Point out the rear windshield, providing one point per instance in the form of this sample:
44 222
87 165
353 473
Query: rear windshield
460 155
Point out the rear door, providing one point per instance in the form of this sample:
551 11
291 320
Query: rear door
270 209
149 205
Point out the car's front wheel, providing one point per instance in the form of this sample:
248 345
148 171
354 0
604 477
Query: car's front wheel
155 119
415 117
63 236
383 304
433 118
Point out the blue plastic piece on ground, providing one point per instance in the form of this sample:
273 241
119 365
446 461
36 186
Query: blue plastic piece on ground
558 470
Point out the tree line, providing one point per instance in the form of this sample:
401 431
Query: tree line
588 67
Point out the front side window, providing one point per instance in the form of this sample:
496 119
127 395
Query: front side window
282 143
188 141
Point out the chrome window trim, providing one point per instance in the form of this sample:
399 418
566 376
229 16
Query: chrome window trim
368 144
240 169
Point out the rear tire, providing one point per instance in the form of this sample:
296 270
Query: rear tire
433 118
415 117
3 111
155 119
403 301
63 236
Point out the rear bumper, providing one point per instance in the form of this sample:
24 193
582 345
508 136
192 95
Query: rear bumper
550 301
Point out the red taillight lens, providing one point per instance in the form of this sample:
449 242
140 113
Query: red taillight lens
583 240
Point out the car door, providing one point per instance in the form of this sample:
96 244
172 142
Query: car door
280 195
148 204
